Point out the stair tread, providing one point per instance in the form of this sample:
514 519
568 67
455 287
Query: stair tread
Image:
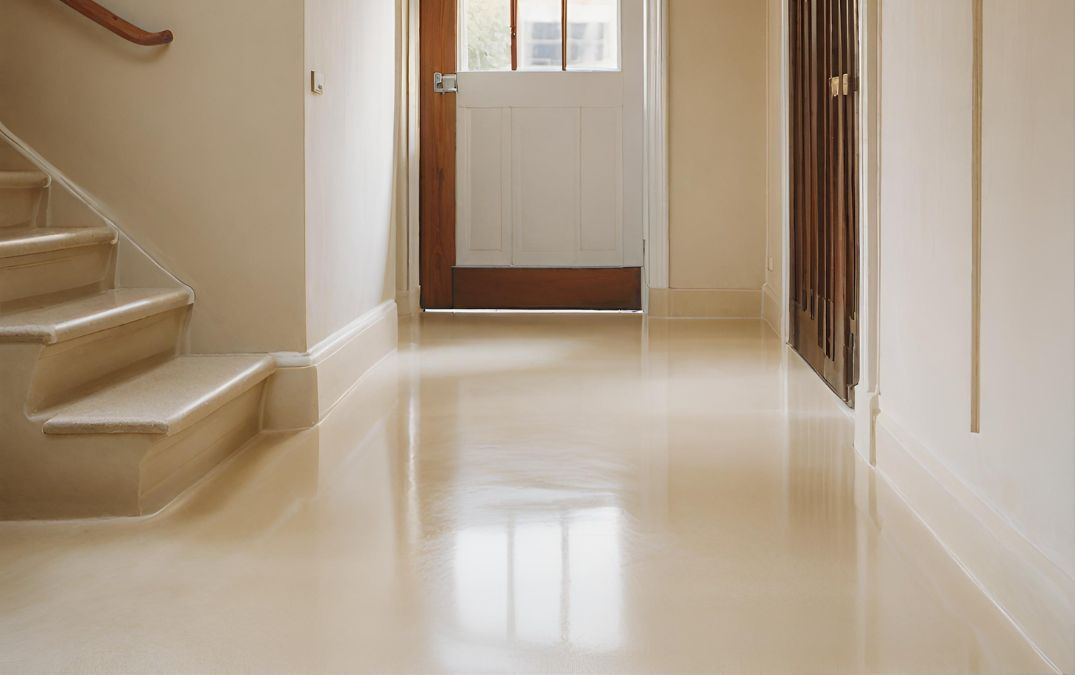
18 241
163 400
62 321
23 179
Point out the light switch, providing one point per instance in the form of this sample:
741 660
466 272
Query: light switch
771 265
317 82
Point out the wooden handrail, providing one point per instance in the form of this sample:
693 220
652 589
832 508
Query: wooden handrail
125 29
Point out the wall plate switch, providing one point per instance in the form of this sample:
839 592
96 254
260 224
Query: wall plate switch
771 266
317 82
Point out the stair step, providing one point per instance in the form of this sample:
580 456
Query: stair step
28 241
165 399
21 180
72 319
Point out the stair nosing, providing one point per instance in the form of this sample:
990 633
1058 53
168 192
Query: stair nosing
160 301
24 180
51 239
260 368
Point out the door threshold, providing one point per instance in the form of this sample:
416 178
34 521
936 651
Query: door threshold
555 288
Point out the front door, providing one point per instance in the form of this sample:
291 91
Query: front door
531 154
823 96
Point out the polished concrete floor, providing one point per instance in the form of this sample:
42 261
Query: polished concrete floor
523 493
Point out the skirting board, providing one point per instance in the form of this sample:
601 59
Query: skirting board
1036 595
705 303
408 302
306 387
772 309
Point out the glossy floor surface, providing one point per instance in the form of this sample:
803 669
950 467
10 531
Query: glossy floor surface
518 494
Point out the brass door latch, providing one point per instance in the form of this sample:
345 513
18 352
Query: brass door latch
840 85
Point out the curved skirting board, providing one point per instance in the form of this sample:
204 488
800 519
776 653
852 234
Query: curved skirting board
308 386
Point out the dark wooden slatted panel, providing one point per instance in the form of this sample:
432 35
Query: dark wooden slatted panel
548 288
824 186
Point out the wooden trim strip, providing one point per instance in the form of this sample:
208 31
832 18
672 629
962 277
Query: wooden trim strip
437 166
563 34
121 27
548 288
514 34
976 223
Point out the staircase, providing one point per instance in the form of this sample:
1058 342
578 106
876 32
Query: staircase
101 411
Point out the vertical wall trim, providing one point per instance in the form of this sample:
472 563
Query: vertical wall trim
976 223
868 391
655 200
785 172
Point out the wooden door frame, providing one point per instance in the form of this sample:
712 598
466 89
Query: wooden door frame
655 266
867 392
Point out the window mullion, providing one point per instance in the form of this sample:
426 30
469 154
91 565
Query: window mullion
514 34
563 34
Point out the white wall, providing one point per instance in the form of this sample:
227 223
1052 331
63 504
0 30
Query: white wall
1023 462
1026 460
351 153
195 149
1020 470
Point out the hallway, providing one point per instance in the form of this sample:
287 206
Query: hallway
523 493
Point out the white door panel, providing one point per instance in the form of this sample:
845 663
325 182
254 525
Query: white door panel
601 187
545 186
484 201
540 89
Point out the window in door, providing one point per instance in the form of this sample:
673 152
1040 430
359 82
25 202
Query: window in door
535 35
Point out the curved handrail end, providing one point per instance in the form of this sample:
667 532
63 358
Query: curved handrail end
121 27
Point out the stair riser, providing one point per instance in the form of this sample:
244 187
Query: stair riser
178 462
95 475
22 206
68 369
88 268
76 477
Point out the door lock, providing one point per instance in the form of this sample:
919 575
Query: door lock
445 84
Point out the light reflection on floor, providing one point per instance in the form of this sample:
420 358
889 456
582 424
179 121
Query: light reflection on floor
551 581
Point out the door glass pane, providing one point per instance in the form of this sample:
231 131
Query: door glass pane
540 43
486 35
593 35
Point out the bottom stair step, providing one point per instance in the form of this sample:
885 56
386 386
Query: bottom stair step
163 400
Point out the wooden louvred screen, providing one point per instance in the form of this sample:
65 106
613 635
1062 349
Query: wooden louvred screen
823 75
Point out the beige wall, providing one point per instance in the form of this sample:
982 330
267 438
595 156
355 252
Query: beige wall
776 181
1022 465
351 152
717 143
196 149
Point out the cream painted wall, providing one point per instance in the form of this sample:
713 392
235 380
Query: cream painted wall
195 149
1022 465
776 182
351 161
717 143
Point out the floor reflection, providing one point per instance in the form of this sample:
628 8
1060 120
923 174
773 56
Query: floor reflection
523 494
553 580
